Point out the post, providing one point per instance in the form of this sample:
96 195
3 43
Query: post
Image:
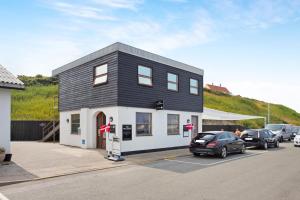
268 113
53 127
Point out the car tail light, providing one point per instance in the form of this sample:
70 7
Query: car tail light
212 144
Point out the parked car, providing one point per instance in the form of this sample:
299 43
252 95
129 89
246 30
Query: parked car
219 143
260 138
297 139
283 131
295 131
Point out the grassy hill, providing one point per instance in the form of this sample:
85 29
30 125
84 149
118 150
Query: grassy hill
39 100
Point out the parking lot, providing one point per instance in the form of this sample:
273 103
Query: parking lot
189 163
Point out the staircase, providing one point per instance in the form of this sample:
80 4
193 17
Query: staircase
50 130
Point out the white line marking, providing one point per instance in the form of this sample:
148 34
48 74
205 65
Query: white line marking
215 163
2 197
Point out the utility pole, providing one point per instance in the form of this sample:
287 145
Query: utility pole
268 113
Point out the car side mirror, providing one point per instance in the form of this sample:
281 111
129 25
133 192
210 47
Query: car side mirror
283 130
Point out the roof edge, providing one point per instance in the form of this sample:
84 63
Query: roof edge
118 46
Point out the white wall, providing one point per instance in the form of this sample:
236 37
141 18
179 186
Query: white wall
159 138
126 115
5 110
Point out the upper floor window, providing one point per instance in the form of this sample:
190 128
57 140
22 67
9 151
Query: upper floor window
172 82
145 75
194 86
100 74
75 123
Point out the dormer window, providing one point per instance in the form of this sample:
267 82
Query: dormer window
100 76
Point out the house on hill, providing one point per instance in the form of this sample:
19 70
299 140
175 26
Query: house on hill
8 82
147 99
216 88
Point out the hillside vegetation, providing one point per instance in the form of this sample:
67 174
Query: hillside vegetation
39 102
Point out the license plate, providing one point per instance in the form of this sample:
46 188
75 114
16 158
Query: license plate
200 141
248 139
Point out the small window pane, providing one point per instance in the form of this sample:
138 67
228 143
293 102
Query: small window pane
173 124
172 86
145 71
101 70
194 90
145 81
193 83
172 77
101 79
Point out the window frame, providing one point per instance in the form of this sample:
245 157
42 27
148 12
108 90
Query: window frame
136 125
143 76
72 132
194 86
172 82
102 75
173 124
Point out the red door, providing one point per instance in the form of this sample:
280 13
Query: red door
101 140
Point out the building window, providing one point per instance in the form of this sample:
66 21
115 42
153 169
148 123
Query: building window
143 124
173 124
145 75
172 82
194 86
100 74
75 123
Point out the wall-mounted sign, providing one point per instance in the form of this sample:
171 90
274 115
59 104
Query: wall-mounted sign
127 132
185 131
113 128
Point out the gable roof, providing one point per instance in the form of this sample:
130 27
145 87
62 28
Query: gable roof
8 80
218 88
129 50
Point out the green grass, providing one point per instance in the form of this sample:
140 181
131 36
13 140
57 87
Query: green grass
241 105
37 103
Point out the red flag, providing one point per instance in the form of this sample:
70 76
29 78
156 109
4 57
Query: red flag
189 126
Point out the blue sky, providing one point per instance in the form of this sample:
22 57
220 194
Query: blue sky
250 46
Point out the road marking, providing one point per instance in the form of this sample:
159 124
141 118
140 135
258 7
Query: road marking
2 197
215 163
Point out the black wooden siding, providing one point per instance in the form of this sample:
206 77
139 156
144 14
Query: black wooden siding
27 130
77 88
131 94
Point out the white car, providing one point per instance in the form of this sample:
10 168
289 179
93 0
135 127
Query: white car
297 140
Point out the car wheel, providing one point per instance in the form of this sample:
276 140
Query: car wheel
265 146
196 154
243 149
223 152
281 139
277 144
290 139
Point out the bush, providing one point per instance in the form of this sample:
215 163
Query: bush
2 150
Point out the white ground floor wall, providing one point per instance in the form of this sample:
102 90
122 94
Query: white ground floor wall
5 109
126 116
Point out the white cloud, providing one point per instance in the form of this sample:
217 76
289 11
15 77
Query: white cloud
124 4
82 11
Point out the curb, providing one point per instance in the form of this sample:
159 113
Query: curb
59 175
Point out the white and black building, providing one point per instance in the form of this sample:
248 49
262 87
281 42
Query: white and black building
149 97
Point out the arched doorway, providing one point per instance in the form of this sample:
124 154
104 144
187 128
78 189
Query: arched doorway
101 140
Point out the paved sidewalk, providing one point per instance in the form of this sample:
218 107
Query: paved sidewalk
36 160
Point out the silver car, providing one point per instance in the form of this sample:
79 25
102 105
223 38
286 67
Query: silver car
282 131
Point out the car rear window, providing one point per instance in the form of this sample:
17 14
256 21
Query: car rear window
250 134
206 136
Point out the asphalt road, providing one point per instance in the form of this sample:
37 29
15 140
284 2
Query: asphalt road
272 174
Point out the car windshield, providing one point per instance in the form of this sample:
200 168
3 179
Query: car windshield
206 136
250 133
274 127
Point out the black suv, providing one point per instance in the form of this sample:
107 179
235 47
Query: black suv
260 138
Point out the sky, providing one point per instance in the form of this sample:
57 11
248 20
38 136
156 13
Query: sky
250 46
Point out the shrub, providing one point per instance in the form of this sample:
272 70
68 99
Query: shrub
2 150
